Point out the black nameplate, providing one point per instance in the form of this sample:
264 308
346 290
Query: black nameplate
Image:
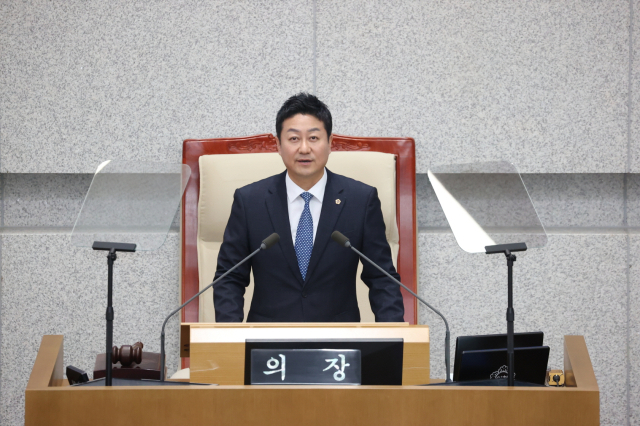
305 367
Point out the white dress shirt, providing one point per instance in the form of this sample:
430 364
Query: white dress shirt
296 203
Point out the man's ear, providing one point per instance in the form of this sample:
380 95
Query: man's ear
330 141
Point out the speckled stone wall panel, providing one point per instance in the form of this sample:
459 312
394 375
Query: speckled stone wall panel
50 287
561 200
575 285
1 292
634 146
429 212
543 84
86 81
44 199
633 200
1 282
48 199
577 200
634 330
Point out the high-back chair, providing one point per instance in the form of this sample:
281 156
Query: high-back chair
220 166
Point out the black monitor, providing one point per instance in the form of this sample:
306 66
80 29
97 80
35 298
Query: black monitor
491 364
492 341
381 359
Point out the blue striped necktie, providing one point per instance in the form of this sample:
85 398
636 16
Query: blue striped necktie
304 236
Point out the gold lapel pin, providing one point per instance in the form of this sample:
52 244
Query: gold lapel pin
338 201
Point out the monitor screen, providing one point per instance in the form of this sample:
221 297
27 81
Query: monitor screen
530 364
492 341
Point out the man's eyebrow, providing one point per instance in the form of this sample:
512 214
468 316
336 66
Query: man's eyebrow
292 130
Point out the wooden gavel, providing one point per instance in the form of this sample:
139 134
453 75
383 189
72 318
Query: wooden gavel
127 354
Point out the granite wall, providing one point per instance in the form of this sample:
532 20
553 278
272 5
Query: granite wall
551 86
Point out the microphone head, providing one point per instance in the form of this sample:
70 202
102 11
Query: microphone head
339 238
270 241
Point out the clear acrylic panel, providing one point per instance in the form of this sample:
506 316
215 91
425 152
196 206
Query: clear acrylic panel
131 202
487 204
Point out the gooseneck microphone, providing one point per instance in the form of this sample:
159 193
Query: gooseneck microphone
339 238
266 243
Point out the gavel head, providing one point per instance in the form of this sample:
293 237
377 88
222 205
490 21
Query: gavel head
127 354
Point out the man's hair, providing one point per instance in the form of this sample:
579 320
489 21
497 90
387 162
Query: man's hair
306 104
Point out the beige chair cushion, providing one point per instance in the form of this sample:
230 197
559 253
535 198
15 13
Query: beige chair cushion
221 175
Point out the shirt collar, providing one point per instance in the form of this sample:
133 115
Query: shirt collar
294 191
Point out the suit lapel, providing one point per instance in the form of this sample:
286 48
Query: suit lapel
276 201
329 214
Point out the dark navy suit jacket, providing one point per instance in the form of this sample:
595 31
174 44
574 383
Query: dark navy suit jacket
328 294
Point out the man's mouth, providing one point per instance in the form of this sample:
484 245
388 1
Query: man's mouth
304 161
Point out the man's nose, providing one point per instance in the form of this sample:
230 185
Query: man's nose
305 147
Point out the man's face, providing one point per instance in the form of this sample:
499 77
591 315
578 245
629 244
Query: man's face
304 148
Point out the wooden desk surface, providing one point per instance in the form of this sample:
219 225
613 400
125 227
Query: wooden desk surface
48 403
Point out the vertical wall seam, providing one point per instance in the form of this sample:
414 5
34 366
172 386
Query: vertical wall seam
629 88
2 179
628 300
1 139
315 57
625 218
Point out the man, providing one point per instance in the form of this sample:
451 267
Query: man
305 277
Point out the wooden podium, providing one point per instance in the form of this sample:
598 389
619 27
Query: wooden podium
50 401
217 353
